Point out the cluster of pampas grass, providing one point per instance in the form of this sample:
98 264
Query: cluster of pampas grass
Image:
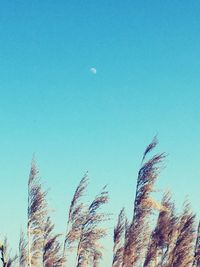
172 241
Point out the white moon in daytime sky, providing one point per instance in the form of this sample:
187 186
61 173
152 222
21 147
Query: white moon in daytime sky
93 70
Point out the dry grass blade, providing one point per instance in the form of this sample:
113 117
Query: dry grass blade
80 191
75 217
136 242
196 262
22 250
51 247
119 235
91 232
37 211
161 235
7 260
182 254
150 147
96 258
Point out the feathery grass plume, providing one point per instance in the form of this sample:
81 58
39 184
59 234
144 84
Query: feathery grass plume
138 233
91 231
75 217
51 247
126 241
7 260
173 226
196 262
150 147
119 235
37 211
160 237
173 223
22 250
182 254
97 256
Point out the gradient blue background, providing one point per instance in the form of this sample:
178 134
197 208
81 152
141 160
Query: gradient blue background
147 56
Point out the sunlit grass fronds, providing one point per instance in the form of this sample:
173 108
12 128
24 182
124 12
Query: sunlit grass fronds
91 230
138 232
150 147
6 258
182 254
97 256
119 238
75 217
22 250
160 237
156 236
196 262
51 247
37 212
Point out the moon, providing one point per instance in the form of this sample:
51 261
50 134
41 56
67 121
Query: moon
93 70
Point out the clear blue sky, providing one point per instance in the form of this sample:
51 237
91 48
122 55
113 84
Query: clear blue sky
147 56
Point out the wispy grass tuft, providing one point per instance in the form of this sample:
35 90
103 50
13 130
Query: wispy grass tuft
119 238
138 231
156 236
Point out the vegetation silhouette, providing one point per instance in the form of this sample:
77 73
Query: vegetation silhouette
173 241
